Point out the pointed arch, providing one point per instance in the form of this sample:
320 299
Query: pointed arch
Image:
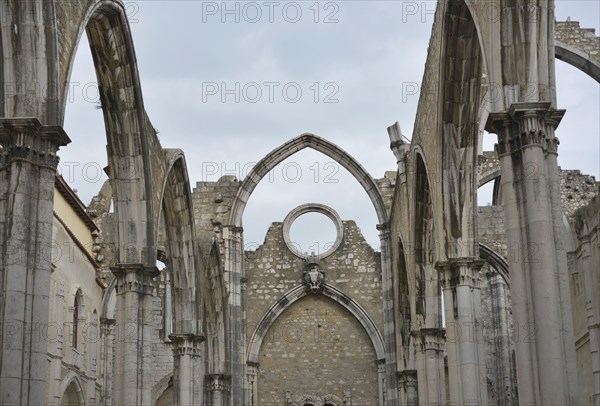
182 252
424 229
496 260
71 387
462 71
298 293
293 146
578 58
125 122
215 306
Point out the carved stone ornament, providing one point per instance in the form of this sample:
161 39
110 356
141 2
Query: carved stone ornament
313 276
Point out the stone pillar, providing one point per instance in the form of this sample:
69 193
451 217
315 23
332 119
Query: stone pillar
217 386
592 306
431 378
464 335
252 384
544 348
28 164
106 367
389 326
408 387
56 352
188 379
133 335
234 251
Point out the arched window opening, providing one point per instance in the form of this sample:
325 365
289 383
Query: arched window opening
77 311
72 395
423 232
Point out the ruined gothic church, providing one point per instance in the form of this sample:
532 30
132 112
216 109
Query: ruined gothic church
157 302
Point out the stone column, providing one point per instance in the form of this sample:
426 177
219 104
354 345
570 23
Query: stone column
389 326
408 386
107 336
431 376
133 333
464 336
217 386
28 164
545 354
56 353
188 379
252 384
234 251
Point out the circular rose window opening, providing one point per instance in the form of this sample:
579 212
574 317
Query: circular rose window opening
312 230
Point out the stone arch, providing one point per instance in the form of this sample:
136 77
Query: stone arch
215 306
161 387
182 253
402 285
578 47
577 58
496 260
461 70
125 123
291 147
423 232
299 292
71 387
107 310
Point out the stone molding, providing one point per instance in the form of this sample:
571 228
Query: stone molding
313 208
187 344
460 271
218 382
26 139
135 278
430 339
525 125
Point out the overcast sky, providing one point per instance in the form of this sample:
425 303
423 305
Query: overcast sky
228 82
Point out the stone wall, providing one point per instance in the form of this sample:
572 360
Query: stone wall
316 346
490 224
584 272
212 204
577 190
584 39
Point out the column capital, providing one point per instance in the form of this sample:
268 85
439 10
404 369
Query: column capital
459 271
524 125
217 382
430 339
408 378
135 278
25 138
187 344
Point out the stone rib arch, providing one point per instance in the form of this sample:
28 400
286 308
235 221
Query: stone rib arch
125 120
579 47
182 252
423 233
215 307
293 146
298 293
462 67
496 260
578 58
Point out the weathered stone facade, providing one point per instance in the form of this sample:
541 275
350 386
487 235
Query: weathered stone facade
460 305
